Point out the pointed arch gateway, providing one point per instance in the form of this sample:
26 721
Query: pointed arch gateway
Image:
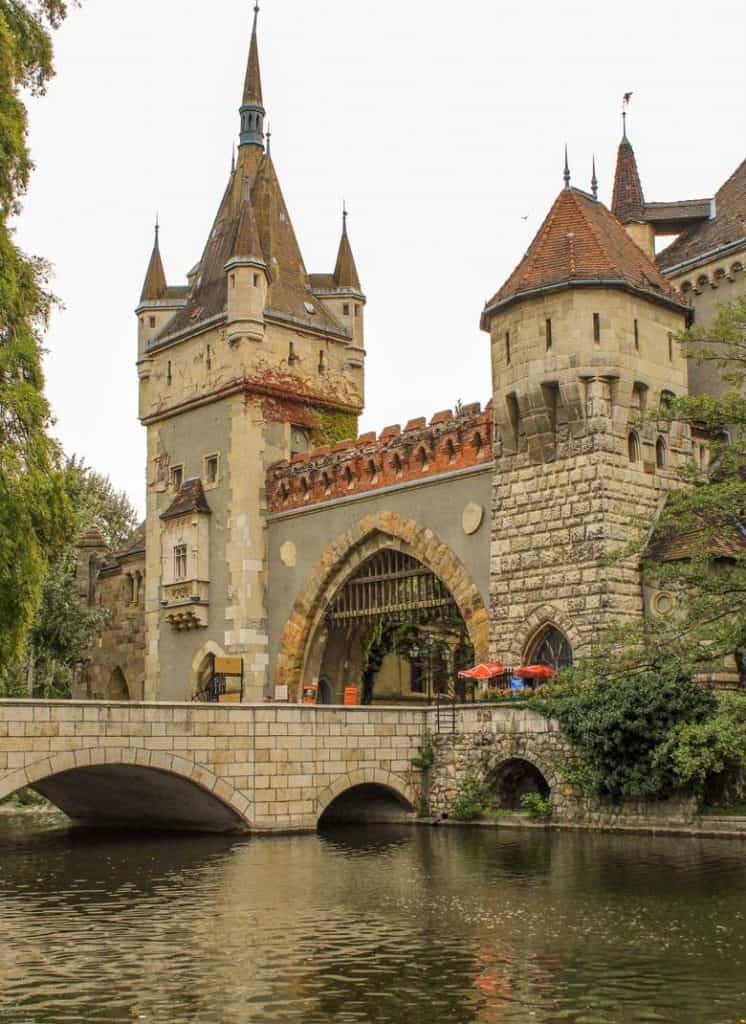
301 646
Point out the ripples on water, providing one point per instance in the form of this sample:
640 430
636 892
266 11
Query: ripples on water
380 924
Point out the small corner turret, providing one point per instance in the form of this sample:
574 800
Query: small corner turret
248 279
158 302
341 291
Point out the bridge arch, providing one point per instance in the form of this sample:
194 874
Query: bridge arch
368 794
521 770
297 660
134 788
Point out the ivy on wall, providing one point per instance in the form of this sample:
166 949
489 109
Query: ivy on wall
335 425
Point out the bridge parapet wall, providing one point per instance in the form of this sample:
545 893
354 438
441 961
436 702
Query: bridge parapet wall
277 766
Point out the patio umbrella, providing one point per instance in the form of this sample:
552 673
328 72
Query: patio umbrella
485 670
535 672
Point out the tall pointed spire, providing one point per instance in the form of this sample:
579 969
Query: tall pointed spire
566 174
345 271
154 287
627 201
594 180
252 107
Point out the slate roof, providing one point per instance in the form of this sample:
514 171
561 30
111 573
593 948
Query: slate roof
191 498
682 545
727 228
345 271
581 242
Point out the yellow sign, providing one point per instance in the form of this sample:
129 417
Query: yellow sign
228 666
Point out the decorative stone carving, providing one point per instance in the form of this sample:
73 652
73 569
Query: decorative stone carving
472 518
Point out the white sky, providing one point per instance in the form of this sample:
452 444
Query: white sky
442 125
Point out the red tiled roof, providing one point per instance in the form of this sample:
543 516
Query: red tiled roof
581 242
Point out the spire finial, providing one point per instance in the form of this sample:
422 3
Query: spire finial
594 180
625 103
566 174
345 215
157 226
252 107
269 139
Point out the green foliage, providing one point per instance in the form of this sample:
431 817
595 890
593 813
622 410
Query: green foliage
700 750
34 512
426 756
472 800
336 425
62 629
536 805
619 728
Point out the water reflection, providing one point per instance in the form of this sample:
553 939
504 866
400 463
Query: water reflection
388 924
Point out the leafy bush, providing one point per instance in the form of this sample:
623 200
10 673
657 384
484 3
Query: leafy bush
536 805
471 801
628 734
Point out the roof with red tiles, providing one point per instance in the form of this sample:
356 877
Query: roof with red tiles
583 243
627 201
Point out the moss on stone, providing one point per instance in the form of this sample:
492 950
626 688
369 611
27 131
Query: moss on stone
334 426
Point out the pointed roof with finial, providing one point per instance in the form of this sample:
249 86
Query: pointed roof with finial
566 172
247 246
154 288
628 201
345 271
594 180
581 244
252 89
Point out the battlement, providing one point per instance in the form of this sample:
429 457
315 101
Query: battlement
449 442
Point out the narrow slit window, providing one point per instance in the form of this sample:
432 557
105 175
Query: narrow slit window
660 453
670 347
633 447
152 322
507 347
548 333
345 309
597 328
637 336
208 358
169 376
322 363
256 280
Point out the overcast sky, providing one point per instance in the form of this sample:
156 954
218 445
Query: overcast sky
442 125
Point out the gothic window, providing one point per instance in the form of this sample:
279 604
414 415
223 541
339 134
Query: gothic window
422 460
180 561
660 453
551 648
129 588
633 446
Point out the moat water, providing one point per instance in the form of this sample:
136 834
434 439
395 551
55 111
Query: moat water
377 924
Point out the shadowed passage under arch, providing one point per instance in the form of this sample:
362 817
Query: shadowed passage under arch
137 797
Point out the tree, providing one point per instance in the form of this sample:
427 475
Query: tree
62 629
640 722
34 512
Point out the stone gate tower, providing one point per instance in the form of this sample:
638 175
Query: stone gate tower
583 351
253 361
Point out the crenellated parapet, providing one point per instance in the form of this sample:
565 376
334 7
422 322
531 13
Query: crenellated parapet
448 443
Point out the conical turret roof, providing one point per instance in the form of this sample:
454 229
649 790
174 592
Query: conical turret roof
345 271
154 287
581 242
628 201
252 90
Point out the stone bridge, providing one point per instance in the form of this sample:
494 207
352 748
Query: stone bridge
267 768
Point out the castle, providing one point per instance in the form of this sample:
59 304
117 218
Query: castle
278 538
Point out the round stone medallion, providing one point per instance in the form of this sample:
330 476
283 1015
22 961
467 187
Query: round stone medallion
663 604
288 554
472 518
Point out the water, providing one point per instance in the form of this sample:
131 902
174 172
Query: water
376 924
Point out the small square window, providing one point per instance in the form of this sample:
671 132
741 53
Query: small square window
180 561
212 469
177 477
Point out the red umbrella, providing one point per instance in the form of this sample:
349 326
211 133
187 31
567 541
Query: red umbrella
535 672
485 670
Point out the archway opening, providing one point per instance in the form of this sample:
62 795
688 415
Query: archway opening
394 631
550 647
516 778
117 689
369 803
136 797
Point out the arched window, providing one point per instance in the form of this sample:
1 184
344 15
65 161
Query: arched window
349 478
326 483
450 451
422 460
660 453
551 647
372 472
305 489
633 447
396 465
